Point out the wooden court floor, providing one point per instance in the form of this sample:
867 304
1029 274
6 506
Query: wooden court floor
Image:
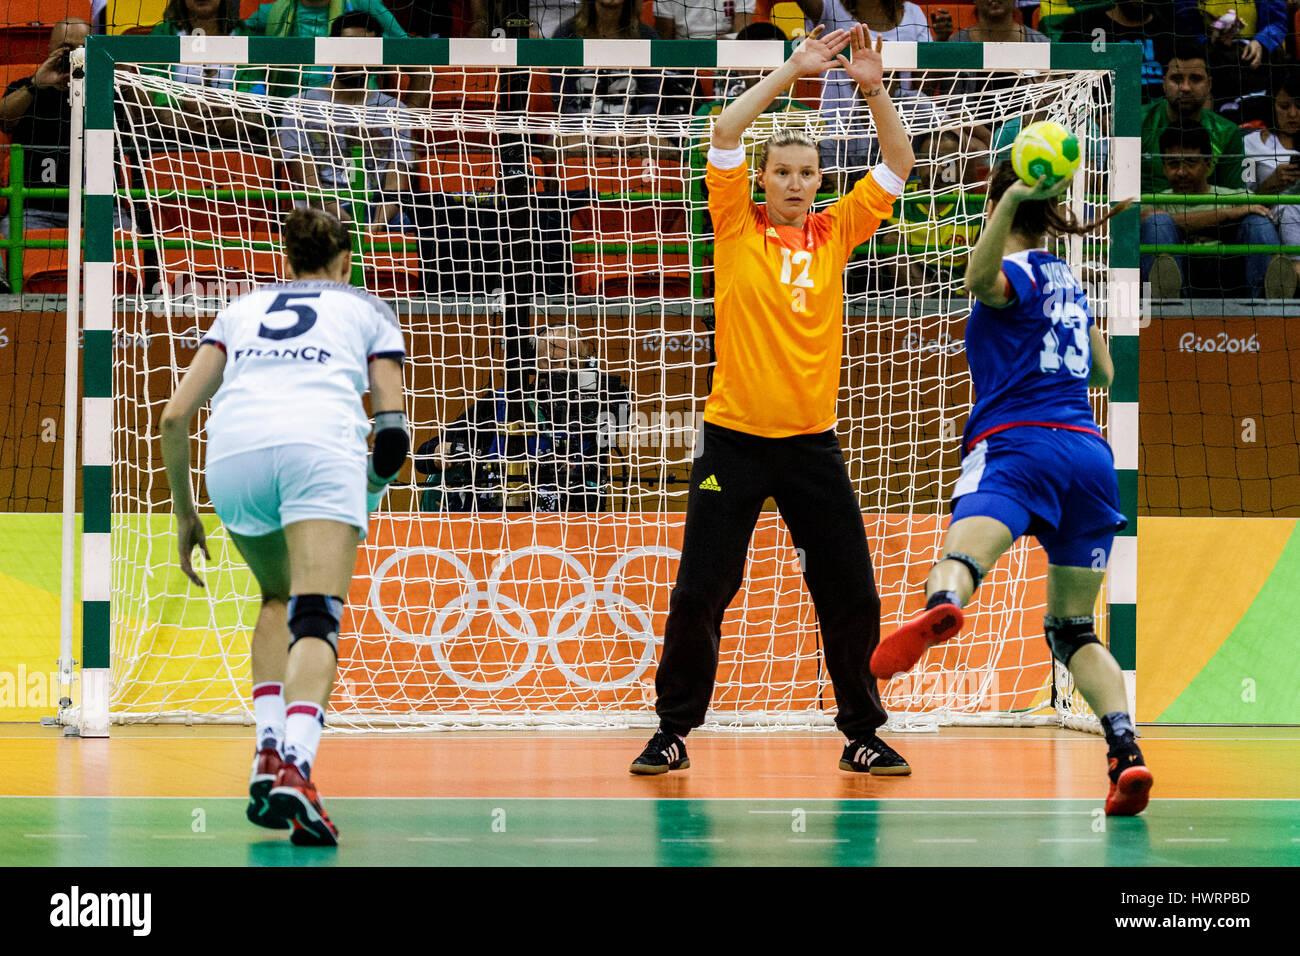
173 795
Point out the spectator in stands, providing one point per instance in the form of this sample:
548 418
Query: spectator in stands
202 118
1243 38
545 15
1273 157
616 92
1188 157
556 459
702 19
1128 21
995 22
36 114
318 143
935 216
308 18
846 160
1187 93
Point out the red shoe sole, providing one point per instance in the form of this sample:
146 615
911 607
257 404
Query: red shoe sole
898 653
1130 793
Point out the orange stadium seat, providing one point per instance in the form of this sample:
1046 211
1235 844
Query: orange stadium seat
45 271
391 271
464 88
638 274
24 45
45 11
222 257
458 172
620 174
176 172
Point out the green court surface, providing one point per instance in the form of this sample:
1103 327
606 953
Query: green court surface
188 831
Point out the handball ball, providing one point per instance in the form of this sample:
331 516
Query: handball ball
1045 149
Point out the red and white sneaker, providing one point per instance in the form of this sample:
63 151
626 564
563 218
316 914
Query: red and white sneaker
1129 790
294 799
899 652
266 766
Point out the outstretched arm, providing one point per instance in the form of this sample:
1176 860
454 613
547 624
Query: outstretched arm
984 278
814 56
867 69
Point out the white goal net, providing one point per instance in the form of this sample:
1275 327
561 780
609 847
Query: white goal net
542 234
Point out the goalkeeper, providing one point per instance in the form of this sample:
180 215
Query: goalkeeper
285 367
769 423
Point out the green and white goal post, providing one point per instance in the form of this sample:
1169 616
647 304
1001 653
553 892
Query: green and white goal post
154 649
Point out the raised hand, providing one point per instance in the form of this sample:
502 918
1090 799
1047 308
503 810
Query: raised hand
1022 191
816 54
867 66
941 24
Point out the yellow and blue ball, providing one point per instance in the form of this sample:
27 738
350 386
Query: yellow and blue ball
1045 149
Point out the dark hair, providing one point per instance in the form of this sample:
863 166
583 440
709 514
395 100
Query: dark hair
312 238
1182 138
629 19
1038 216
178 15
1189 49
1287 80
356 18
761 31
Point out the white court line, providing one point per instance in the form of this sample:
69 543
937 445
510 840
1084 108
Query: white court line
183 836
1196 839
812 840
54 836
946 840
436 839
565 840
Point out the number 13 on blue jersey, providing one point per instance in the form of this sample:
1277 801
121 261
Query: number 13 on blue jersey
1066 342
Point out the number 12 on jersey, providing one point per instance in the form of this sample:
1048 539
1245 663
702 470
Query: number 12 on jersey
789 262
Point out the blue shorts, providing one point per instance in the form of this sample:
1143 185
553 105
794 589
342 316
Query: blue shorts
260 491
1056 484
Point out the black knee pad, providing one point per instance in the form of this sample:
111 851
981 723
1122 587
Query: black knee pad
315 615
976 572
1065 635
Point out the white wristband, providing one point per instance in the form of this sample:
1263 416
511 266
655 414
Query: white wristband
726 158
888 180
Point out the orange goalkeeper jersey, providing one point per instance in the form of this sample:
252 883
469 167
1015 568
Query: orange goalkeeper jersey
779 306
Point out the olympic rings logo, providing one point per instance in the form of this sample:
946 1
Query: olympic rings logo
501 607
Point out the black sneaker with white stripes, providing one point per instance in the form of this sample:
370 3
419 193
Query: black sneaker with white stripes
874 756
664 752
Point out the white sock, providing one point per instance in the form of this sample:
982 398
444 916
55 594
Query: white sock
303 724
268 711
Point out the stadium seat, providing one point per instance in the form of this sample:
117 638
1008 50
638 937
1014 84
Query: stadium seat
45 271
25 45
390 271
163 173
458 172
229 257
620 174
637 274
464 89
122 16
629 222
46 12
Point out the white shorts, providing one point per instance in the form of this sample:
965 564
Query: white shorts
260 491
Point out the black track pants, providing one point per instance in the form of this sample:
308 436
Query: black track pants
732 477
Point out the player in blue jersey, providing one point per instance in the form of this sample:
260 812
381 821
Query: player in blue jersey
288 474
1035 461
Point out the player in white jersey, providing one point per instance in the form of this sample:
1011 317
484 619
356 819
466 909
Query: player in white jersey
288 475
